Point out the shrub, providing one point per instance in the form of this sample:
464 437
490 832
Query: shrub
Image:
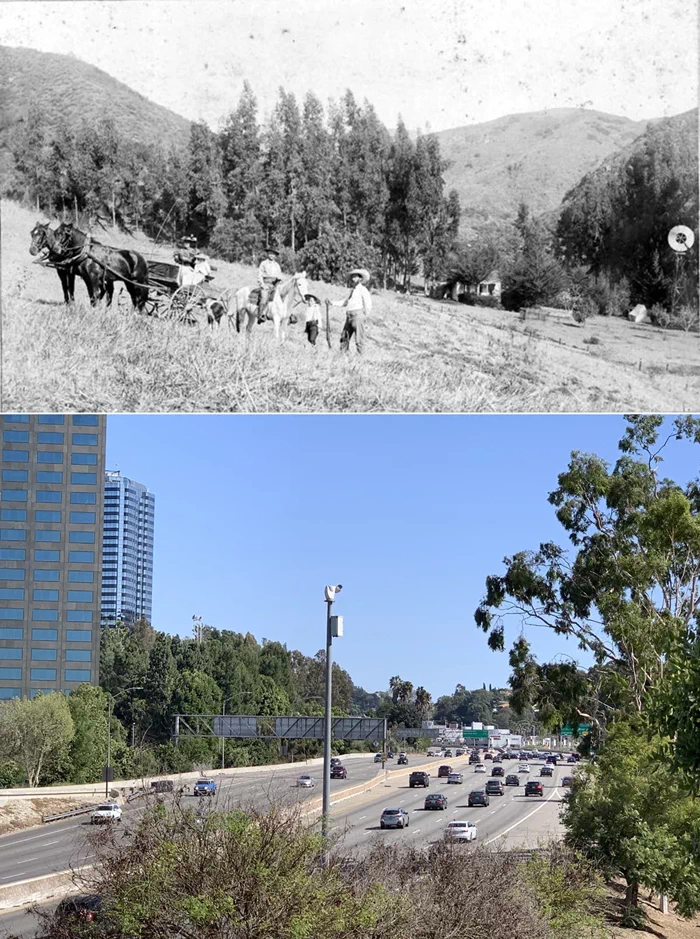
686 318
659 316
333 254
492 303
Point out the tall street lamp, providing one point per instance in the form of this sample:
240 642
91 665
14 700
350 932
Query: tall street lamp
334 627
111 701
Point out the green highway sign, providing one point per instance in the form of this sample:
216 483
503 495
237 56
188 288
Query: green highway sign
568 731
475 735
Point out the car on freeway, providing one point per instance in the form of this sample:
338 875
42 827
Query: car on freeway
85 907
498 758
378 757
459 752
455 778
390 755
534 788
444 770
488 755
552 758
498 771
448 754
494 787
523 768
204 787
163 785
335 760
571 759
478 797
480 768
512 780
461 831
419 778
108 812
546 771
394 818
474 758
306 782
338 771
436 800
402 760
568 781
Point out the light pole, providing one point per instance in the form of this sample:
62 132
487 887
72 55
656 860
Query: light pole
111 701
330 593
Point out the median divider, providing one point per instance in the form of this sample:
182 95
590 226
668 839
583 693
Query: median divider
40 889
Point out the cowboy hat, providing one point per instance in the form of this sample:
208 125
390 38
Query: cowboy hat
364 274
270 250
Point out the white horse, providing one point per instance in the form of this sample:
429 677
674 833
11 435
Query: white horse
285 297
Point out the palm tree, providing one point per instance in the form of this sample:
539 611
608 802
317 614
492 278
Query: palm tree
424 702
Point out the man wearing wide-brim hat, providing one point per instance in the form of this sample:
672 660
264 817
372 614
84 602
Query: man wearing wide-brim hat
269 275
358 306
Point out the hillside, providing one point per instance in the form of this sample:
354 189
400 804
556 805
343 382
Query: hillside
66 87
536 157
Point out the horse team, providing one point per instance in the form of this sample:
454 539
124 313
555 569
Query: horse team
71 251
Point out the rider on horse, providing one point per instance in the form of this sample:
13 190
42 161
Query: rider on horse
269 275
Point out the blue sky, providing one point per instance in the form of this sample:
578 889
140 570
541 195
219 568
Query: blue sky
256 514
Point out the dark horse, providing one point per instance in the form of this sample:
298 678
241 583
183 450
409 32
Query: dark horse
108 265
44 239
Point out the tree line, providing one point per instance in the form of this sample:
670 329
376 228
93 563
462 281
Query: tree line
329 188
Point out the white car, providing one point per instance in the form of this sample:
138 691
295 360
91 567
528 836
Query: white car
306 782
480 768
523 768
109 812
461 831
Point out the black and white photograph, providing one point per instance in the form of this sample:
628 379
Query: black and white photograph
367 206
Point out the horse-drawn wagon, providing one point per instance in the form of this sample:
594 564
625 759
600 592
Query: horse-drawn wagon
183 293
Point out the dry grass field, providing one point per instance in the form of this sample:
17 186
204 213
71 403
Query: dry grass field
423 355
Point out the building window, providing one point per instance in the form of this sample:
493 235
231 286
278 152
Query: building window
53 576
83 498
74 596
44 635
12 554
44 655
81 557
10 673
78 655
81 537
54 536
14 495
43 555
85 420
51 419
49 456
15 476
82 518
11 632
84 459
40 594
7 693
46 515
84 440
45 495
13 534
11 573
49 436
15 456
81 577
77 674
15 436
78 616
83 479
8 612
49 476
10 654
44 616
16 418
79 635
13 515
11 593
42 674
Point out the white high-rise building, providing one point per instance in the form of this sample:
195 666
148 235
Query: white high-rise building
127 553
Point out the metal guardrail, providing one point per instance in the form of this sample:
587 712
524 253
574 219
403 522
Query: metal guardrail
83 811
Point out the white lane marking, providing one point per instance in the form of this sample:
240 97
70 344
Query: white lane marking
524 819
49 843
10 844
361 817
415 831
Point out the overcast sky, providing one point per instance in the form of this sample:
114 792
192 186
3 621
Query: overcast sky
439 63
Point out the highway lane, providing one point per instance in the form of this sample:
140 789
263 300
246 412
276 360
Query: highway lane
59 846
513 818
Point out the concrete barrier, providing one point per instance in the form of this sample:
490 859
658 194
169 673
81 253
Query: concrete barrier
40 889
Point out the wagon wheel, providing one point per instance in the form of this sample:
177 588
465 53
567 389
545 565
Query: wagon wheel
184 304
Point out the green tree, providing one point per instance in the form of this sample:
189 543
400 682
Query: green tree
35 733
159 684
88 748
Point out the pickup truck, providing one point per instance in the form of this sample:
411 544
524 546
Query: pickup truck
205 787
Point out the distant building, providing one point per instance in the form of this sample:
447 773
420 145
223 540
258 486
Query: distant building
50 551
127 556
490 286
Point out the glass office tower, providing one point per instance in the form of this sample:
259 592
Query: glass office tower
51 507
127 560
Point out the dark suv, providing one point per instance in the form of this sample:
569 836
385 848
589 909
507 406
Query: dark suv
479 797
546 771
474 758
338 771
419 778
512 780
498 771
494 787
533 788
436 800
444 770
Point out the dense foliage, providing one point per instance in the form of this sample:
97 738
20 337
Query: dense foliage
335 187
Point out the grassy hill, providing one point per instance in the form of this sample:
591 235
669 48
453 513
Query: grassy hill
536 157
66 87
